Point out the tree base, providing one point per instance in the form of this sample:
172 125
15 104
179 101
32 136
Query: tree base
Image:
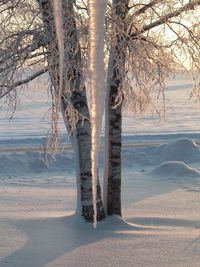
88 212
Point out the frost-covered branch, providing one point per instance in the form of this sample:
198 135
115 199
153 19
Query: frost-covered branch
146 7
164 19
10 88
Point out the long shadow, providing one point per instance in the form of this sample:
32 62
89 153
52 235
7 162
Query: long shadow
49 239
194 245
159 221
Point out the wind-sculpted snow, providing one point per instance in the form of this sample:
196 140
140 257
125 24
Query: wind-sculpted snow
168 159
151 153
15 164
174 169
182 149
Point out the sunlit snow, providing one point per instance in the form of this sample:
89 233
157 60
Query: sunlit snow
160 192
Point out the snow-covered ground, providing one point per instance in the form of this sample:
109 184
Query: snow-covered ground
31 121
160 193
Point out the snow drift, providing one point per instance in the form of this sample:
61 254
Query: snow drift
183 149
175 169
34 162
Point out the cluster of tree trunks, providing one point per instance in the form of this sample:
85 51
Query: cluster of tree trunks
74 93
76 97
81 135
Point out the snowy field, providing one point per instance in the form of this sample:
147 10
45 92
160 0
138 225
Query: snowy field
160 191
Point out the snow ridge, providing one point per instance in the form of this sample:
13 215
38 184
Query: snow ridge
175 169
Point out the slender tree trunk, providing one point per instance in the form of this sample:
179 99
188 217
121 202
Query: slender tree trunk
74 94
115 130
113 119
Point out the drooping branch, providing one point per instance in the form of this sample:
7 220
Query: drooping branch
21 82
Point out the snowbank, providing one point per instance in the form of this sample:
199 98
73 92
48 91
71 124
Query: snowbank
175 168
34 162
183 149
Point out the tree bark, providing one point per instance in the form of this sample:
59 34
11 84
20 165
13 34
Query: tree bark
115 144
76 97
112 178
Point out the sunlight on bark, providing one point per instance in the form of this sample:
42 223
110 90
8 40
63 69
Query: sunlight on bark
57 9
96 83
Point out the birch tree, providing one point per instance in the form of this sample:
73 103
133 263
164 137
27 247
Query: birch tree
139 61
74 103
144 42
113 114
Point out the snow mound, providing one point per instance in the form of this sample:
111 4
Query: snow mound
183 149
33 162
175 169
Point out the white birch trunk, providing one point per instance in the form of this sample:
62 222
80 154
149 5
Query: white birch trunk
113 119
96 83
106 140
57 10
76 97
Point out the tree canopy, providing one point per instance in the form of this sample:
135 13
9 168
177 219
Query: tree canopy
159 37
